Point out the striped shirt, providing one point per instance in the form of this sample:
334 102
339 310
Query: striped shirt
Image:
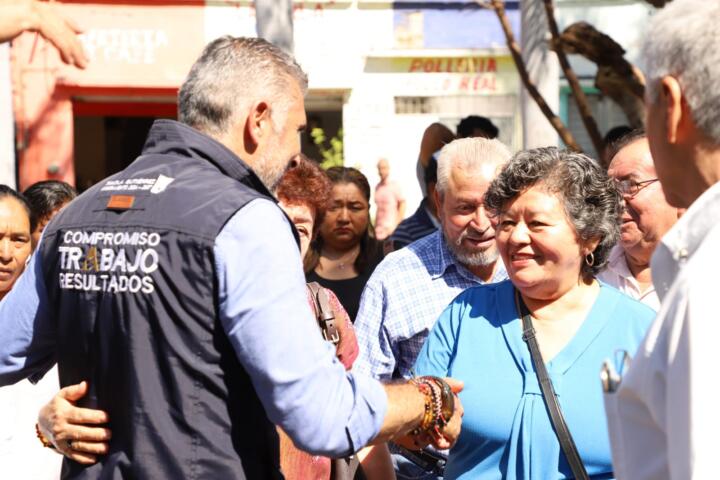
420 224
401 302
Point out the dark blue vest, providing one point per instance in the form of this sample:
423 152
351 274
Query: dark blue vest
131 281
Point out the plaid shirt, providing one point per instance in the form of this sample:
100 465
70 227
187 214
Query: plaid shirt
402 300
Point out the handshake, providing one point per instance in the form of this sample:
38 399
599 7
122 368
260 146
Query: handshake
439 420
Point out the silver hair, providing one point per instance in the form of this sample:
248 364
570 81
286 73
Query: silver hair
682 40
591 200
471 155
231 74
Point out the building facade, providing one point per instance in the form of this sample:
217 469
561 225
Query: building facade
380 71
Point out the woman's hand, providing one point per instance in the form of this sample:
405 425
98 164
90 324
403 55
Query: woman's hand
74 431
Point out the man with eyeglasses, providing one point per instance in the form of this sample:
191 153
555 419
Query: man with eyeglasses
646 218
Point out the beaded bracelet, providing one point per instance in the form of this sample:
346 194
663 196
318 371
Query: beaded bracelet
428 417
439 404
45 442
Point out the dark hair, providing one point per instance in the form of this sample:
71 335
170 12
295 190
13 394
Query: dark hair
306 183
468 125
591 199
6 191
430 172
369 247
619 143
616 133
46 196
612 136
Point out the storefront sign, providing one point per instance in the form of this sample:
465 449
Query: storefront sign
428 76
453 65
136 46
132 46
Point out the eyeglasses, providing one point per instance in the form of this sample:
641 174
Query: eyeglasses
631 187
610 376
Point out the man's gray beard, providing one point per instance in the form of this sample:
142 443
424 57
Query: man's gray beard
472 259
270 172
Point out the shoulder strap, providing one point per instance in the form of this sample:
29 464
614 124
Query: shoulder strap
551 402
324 313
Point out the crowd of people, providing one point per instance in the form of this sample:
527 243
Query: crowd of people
242 317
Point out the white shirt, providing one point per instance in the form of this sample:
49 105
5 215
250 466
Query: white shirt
618 275
664 420
22 456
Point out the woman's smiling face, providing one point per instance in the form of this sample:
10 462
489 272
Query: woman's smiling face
541 249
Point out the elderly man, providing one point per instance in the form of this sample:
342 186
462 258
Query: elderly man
175 289
411 287
664 419
647 217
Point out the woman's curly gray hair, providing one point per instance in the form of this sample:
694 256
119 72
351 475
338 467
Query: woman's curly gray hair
592 202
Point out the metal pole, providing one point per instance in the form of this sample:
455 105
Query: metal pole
275 22
544 71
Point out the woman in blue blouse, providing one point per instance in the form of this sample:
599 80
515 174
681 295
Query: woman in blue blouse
557 219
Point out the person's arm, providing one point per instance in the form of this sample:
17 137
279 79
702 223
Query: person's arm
27 332
74 431
400 206
264 310
376 462
17 16
376 357
434 138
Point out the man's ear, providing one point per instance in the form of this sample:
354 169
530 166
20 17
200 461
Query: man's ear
677 113
258 126
438 197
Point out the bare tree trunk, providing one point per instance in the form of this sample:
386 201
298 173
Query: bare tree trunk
274 22
565 134
578 93
616 77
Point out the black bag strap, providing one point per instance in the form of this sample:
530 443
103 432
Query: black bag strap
324 312
551 402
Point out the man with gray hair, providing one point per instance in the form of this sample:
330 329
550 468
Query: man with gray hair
645 219
175 289
410 288
664 418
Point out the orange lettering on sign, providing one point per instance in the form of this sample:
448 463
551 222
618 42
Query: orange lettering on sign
492 65
453 65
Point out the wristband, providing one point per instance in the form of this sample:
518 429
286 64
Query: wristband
45 442
442 403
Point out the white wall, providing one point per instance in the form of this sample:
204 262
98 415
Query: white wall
7 149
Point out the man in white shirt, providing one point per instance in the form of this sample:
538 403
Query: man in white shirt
664 419
647 217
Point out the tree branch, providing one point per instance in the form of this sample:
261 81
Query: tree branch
578 93
560 128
